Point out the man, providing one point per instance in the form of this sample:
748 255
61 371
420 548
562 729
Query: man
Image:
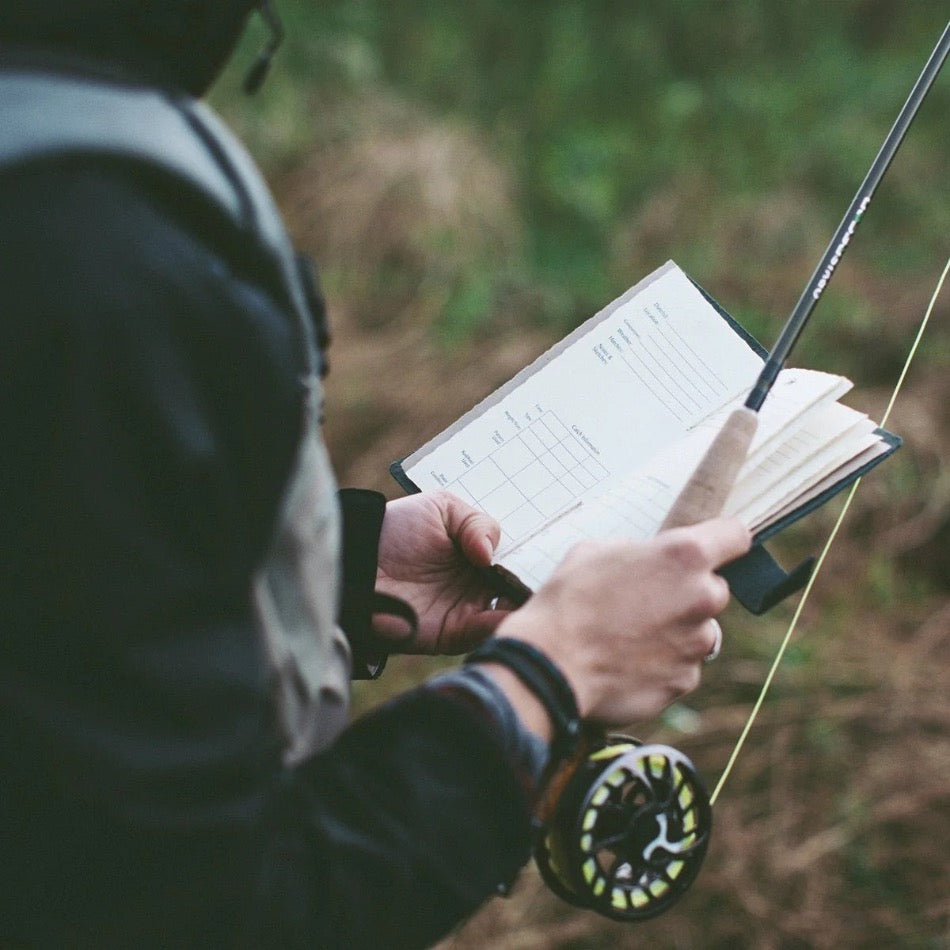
180 610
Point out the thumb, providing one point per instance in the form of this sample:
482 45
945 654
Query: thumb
475 532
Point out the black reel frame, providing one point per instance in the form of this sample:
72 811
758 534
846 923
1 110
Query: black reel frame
629 829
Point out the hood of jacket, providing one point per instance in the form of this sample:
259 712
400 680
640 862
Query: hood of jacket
178 44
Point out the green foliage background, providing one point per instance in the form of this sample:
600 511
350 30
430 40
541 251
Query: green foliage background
591 140
597 106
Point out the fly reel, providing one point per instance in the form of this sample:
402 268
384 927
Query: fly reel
626 829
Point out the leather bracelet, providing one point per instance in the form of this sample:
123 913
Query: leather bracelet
544 679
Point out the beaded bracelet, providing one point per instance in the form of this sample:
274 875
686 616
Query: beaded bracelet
544 679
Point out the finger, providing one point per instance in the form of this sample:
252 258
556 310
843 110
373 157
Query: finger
714 597
705 641
721 539
394 628
475 532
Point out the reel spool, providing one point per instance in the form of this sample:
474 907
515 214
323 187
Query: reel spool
627 831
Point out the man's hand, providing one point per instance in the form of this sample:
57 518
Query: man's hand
629 623
432 550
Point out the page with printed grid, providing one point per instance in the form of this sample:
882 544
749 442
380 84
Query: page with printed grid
637 376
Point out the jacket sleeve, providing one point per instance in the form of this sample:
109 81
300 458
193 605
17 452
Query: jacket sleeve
398 832
151 413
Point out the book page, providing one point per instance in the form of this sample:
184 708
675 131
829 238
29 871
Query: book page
641 374
835 433
877 448
842 474
794 395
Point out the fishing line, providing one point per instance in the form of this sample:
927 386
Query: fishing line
824 552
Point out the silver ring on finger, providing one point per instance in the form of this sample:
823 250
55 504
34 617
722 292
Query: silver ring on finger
717 646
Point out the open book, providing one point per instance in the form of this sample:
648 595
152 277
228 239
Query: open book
597 436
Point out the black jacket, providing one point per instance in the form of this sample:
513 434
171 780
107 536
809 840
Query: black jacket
149 414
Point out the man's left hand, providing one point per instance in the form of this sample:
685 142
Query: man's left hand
432 552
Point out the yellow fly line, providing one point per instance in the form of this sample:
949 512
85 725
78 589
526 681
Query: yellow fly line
750 722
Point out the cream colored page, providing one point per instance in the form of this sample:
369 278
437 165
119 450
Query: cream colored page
811 460
779 511
829 434
633 379
793 399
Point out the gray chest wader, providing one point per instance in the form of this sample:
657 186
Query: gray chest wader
295 590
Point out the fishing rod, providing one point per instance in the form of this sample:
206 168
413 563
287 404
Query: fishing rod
842 237
624 827
704 495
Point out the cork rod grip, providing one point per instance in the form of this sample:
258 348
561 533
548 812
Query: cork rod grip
704 495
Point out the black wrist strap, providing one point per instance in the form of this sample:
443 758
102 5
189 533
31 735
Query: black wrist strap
544 679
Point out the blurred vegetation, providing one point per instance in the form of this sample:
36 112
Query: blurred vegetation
476 178
634 132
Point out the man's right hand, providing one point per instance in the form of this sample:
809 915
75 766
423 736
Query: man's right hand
629 623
